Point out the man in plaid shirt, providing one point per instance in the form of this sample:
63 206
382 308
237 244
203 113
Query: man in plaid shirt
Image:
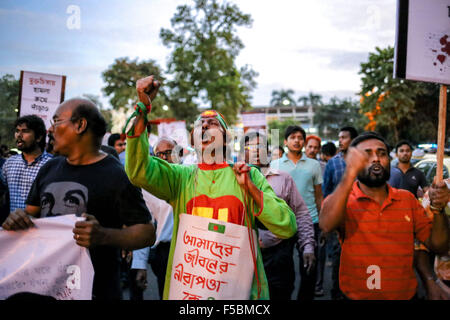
19 171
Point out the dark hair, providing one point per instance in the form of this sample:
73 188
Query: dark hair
403 142
113 138
109 150
95 121
329 149
293 129
369 135
351 130
36 124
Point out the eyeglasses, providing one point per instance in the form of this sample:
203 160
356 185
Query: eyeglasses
57 122
163 153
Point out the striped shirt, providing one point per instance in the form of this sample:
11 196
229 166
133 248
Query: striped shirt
19 175
378 245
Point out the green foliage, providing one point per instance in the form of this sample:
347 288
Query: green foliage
387 102
202 62
105 112
9 102
281 126
311 99
120 79
423 126
280 97
337 113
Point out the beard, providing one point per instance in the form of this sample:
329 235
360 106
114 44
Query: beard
27 148
375 179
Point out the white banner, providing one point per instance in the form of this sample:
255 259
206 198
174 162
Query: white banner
41 95
212 260
45 260
254 119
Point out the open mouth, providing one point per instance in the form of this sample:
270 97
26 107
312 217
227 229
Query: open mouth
19 143
207 138
376 170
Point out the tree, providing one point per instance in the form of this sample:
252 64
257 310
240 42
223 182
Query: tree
107 114
311 99
425 117
397 108
332 116
281 127
282 98
202 62
385 101
120 79
9 101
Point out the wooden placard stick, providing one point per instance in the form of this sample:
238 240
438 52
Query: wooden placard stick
441 132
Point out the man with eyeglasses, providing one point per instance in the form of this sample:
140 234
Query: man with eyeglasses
85 181
212 189
278 253
168 149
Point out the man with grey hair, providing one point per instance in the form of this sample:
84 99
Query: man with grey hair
86 181
167 149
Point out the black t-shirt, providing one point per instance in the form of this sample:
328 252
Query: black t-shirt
412 179
101 189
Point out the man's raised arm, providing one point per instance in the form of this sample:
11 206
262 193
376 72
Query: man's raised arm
334 206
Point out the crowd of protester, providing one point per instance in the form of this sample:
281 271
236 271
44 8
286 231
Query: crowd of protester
380 228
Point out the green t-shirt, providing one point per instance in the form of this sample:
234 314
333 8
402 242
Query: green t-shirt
190 189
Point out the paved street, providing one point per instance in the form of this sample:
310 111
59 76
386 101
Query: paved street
151 293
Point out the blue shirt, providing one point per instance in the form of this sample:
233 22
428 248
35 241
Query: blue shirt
19 176
334 170
306 174
395 179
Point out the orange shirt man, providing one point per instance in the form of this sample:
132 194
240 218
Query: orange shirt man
378 224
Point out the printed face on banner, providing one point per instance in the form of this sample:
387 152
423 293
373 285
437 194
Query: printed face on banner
61 198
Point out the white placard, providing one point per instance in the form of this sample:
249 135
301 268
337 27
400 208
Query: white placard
427 34
40 95
254 119
45 260
212 260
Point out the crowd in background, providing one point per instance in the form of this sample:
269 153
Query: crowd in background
344 205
